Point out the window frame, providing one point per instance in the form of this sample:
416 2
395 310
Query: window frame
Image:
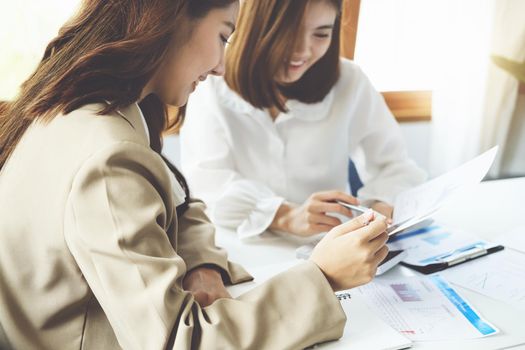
407 106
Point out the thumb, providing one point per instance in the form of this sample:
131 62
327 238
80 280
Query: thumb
354 224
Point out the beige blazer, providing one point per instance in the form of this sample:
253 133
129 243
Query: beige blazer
92 254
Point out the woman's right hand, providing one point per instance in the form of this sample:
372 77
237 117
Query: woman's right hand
311 217
350 253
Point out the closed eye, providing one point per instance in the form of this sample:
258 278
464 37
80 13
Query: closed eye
224 40
322 35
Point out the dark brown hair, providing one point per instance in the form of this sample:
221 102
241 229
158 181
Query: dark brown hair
107 52
266 36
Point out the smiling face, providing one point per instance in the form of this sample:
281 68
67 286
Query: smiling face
313 40
201 54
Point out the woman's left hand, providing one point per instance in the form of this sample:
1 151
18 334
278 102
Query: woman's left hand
206 285
384 209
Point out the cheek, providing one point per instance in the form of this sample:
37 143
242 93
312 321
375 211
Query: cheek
320 49
210 56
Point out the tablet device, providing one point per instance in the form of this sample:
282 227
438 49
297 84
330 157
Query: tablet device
393 258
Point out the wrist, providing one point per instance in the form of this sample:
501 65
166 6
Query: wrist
202 272
281 220
330 281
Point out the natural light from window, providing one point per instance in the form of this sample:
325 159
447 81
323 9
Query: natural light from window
26 27
413 44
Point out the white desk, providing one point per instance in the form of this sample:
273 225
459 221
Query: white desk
489 210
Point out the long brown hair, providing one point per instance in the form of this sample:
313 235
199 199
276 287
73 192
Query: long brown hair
266 36
107 52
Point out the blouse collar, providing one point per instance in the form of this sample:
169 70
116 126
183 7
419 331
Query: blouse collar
309 112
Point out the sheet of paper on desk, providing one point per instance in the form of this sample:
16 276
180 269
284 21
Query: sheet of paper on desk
424 199
514 239
425 308
429 244
365 330
500 276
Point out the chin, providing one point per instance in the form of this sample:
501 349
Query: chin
292 79
178 101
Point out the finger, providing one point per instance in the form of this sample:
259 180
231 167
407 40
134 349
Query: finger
384 209
334 196
380 255
379 242
355 224
325 220
318 228
327 207
374 229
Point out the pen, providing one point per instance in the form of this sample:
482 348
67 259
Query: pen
358 208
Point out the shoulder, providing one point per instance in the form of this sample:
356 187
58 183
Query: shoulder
353 84
216 92
96 130
351 74
85 134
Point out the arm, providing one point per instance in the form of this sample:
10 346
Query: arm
207 265
207 158
196 245
385 165
117 222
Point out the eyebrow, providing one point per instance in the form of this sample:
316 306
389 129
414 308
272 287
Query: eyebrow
326 26
230 24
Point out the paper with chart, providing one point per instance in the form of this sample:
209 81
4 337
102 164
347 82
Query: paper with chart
413 205
362 327
435 244
425 309
500 276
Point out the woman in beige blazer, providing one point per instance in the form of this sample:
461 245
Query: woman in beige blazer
102 246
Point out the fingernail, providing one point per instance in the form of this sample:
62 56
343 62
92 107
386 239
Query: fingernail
369 216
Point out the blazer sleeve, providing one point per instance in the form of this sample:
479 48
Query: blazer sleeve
115 225
196 244
384 163
235 202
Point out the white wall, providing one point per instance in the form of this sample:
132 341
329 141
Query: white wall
417 137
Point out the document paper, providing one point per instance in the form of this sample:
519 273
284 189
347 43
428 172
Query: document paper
425 309
500 276
414 205
434 244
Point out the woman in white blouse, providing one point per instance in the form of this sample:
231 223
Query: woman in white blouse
267 146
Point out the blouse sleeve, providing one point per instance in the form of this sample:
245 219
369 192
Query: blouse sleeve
376 138
118 212
234 202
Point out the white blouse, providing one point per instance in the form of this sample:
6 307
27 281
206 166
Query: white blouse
244 165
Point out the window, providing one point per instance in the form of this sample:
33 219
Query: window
26 27
393 41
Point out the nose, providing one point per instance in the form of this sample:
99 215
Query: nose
302 46
219 68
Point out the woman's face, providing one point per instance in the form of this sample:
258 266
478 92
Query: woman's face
314 39
201 54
